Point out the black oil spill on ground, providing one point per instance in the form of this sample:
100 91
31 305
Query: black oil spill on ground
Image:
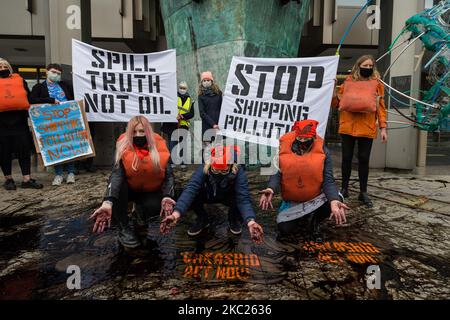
36 251
67 240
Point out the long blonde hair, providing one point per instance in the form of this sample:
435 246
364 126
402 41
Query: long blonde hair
126 143
3 61
356 74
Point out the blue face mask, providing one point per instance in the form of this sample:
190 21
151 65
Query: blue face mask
53 76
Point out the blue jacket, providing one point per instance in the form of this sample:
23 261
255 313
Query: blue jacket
198 185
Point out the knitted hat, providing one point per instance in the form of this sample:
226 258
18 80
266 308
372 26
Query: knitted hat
207 75
305 128
222 156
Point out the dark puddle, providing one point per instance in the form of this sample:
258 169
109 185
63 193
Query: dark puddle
67 240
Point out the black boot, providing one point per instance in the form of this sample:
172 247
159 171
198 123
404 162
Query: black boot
235 224
344 192
9 184
199 225
316 234
127 236
32 184
364 198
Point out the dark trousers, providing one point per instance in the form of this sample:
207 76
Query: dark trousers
364 148
147 204
199 208
20 145
310 222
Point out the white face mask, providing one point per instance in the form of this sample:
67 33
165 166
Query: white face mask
53 76
182 91
206 83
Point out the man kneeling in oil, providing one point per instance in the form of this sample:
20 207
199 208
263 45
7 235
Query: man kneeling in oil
140 174
220 180
308 189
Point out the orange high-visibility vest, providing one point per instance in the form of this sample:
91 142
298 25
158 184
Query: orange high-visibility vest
13 95
301 176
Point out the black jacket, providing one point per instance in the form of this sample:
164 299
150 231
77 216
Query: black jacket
209 108
118 177
39 93
16 121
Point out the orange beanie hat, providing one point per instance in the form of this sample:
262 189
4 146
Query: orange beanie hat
207 75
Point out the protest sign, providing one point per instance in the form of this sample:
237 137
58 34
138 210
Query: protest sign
265 96
61 132
117 86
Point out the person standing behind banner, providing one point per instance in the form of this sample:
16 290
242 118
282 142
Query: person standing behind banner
15 136
209 102
55 91
185 113
308 189
142 174
360 102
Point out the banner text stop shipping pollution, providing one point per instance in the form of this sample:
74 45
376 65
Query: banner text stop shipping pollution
265 96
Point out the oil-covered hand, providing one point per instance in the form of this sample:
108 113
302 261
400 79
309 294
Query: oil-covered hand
167 205
338 211
102 217
169 222
266 199
256 232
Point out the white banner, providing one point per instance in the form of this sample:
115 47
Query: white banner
117 86
265 96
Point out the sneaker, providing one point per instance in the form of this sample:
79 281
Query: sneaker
70 178
235 226
198 227
32 184
364 198
9 184
57 181
127 237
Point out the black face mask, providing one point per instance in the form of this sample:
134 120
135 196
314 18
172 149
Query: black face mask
4 73
366 72
140 141
300 147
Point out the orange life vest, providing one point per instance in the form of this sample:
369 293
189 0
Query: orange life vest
146 178
359 96
13 95
301 176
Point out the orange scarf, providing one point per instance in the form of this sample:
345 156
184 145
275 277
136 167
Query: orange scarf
141 152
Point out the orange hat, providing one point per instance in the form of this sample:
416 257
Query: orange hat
222 156
207 75
305 128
